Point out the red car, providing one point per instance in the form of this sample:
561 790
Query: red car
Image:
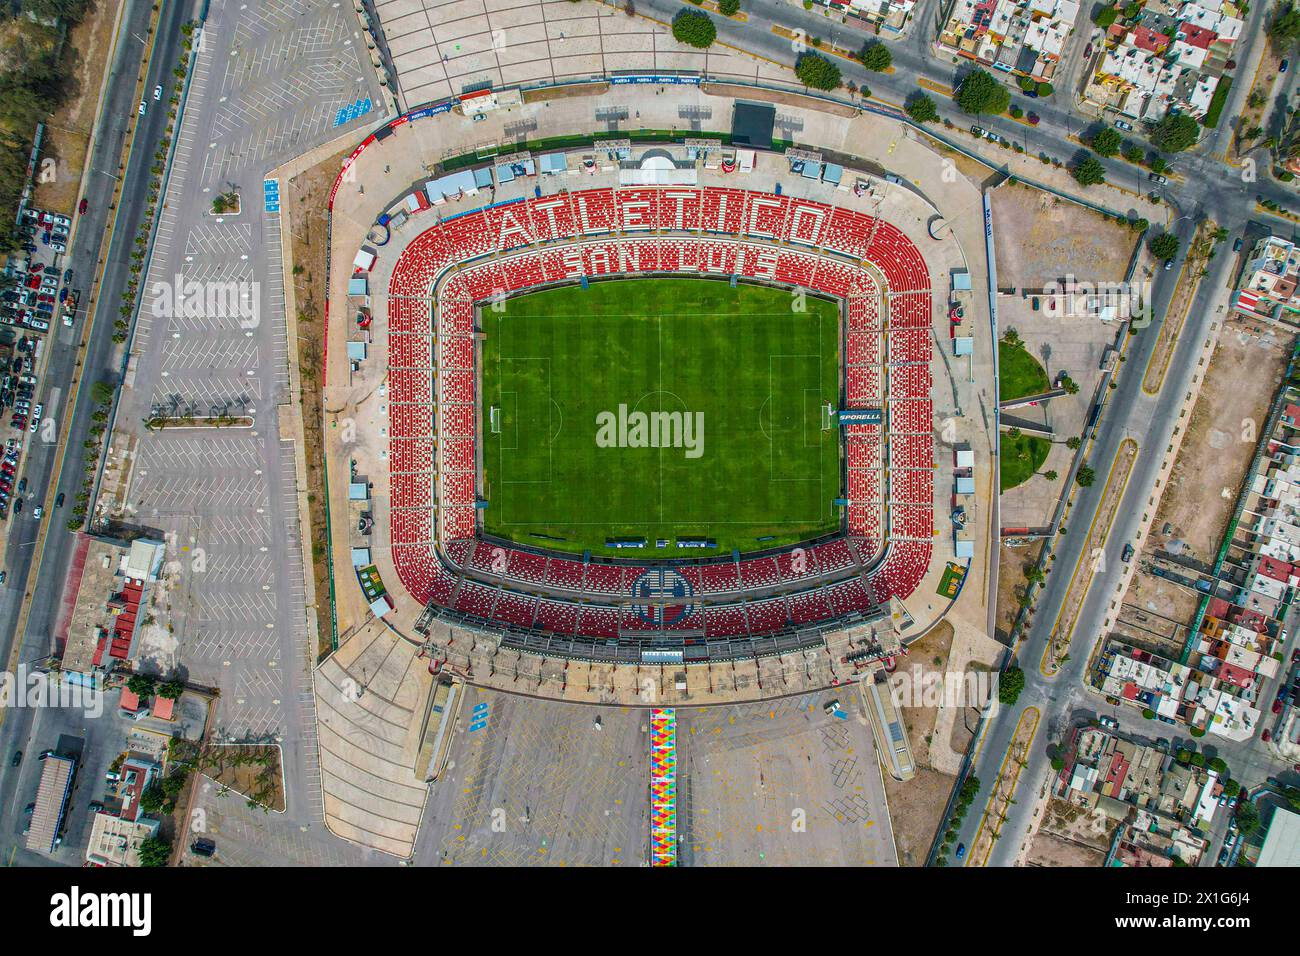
1277 706
33 282
1295 655
1266 736
81 206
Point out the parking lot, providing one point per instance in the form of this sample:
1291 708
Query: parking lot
36 292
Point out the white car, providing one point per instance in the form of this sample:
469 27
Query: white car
141 109
36 414
157 93
38 512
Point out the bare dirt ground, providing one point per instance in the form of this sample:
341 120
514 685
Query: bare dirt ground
307 195
1070 836
1226 422
915 807
1156 613
1041 238
1048 849
67 134
1011 581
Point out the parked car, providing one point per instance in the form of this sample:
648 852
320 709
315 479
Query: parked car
1157 178
96 807
1266 736
17 759
38 512
1284 66
58 502
203 847
142 108
1125 126
1107 721
81 206
961 851
1236 246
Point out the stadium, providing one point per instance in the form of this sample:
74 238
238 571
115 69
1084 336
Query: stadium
653 416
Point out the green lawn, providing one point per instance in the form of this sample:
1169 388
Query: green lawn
1021 457
566 470
1019 373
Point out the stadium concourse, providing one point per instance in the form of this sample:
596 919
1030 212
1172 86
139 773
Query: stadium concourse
824 609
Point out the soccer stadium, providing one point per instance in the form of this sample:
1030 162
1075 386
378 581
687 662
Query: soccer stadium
440 442
654 407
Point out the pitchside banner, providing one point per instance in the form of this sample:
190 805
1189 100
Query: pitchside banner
859 416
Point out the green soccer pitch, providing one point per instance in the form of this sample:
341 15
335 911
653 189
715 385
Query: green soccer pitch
740 451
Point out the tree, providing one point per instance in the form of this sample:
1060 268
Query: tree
1089 172
1285 28
1050 475
1175 133
1107 142
875 56
1247 817
171 689
1045 89
1010 684
1148 713
1132 152
154 851
152 799
1085 476
921 108
1218 765
694 29
1164 246
981 93
1105 16
728 8
816 71
142 685
1073 442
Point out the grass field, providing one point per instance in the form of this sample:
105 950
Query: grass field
1021 457
750 464
1019 373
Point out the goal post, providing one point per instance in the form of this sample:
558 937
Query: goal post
494 420
828 417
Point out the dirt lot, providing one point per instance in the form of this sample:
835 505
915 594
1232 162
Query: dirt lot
1070 836
1156 613
915 807
1226 422
306 196
1041 238
67 134
251 772
1011 579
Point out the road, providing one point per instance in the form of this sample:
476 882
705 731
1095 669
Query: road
117 112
